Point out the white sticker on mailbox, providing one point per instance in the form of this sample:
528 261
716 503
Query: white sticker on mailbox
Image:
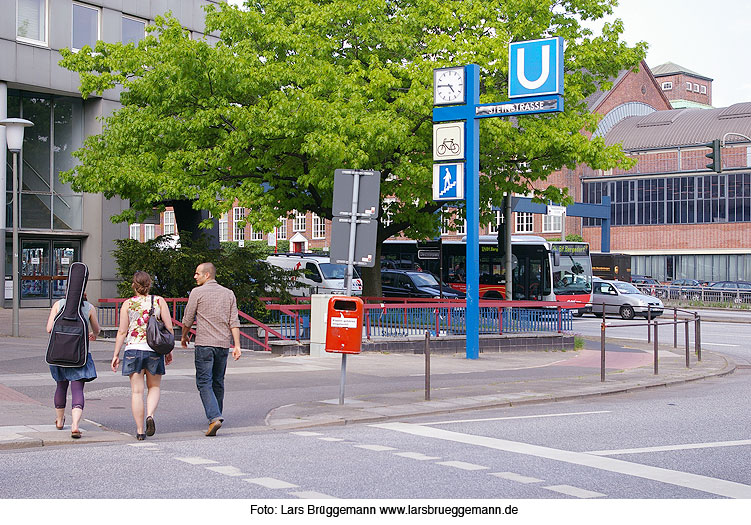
343 322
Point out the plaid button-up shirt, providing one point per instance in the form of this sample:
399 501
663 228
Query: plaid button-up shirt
214 309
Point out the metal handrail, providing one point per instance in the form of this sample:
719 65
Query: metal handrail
655 324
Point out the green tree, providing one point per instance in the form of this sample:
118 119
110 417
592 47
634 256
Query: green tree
289 90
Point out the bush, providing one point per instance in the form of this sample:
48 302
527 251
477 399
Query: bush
172 265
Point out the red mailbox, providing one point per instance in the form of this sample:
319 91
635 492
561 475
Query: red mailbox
344 325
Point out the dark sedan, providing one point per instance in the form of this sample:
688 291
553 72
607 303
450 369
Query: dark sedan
408 283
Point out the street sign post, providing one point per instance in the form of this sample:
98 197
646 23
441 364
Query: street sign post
354 228
535 86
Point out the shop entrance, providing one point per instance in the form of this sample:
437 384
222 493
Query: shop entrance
44 269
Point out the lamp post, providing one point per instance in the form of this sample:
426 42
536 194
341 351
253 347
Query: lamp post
14 134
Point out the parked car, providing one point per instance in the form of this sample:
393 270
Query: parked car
726 291
624 299
649 285
409 283
686 289
319 274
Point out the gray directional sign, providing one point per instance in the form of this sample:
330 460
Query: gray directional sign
368 196
366 225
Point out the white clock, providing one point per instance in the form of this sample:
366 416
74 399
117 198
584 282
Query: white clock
448 86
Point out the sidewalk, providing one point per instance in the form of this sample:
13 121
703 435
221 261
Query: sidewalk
509 378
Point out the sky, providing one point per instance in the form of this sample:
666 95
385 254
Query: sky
709 37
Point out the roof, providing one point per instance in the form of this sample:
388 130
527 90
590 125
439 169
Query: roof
670 68
681 127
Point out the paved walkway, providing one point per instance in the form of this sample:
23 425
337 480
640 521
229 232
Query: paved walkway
518 377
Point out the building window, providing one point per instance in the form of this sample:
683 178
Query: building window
696 88
551 223
223 227
524 222
319 227
31 21
256 235
238 217
445 226
135 232
281 230
703 90
47 203
149 232
688 86
493 227
667 86
387 216
169 223
299 224
85 26
461 229
133 30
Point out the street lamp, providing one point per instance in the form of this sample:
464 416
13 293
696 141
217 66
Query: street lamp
14 133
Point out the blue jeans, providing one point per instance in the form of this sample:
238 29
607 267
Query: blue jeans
211 363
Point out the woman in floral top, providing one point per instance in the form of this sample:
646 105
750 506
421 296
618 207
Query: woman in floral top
139 359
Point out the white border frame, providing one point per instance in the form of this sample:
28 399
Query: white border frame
98 23
32 41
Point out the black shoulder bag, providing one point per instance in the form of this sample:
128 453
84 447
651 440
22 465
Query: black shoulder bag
159 339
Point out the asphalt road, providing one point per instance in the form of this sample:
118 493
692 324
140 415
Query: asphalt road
687 441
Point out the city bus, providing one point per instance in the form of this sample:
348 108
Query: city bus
542 270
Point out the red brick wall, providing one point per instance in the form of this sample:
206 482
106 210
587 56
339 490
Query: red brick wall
674 237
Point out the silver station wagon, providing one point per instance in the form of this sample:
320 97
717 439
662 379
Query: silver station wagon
624 299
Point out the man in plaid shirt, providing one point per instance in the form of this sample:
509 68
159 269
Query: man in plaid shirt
214 309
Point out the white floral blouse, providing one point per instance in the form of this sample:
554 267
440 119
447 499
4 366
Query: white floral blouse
138 317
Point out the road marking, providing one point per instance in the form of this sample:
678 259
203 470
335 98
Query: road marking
688 446
718 344
309 494
375 448
142 445
517 417
306 434
227 471
716 486
331 439
415 455
196 461
512 476
462 465
271 483
575 491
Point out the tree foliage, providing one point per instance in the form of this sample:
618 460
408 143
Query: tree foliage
286 91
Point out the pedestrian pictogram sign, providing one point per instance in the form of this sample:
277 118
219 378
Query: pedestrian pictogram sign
448 182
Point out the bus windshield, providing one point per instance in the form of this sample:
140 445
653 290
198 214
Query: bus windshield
573 275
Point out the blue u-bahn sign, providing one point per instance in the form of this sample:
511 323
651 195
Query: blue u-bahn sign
535 68
535 86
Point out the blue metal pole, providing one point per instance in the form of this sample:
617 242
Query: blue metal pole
472 193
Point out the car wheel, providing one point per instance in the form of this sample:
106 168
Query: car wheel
577 313
627 312
597 314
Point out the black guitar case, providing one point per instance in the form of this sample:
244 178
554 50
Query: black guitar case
69 339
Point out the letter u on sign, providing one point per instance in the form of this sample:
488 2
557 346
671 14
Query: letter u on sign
536 68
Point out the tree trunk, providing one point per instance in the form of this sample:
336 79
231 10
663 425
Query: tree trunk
371 277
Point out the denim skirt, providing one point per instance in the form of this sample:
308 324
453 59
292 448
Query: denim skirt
136 360
84 373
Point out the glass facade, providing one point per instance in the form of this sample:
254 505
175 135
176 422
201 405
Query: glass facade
46 203
692 199
710 267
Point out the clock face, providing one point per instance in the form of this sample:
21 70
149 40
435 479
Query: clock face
448 86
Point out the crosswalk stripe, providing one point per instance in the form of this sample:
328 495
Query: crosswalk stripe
512 476
720 487
575 491
271 483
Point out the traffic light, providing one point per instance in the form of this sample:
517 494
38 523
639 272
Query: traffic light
715 156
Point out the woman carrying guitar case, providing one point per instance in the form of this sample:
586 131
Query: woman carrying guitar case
70 322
